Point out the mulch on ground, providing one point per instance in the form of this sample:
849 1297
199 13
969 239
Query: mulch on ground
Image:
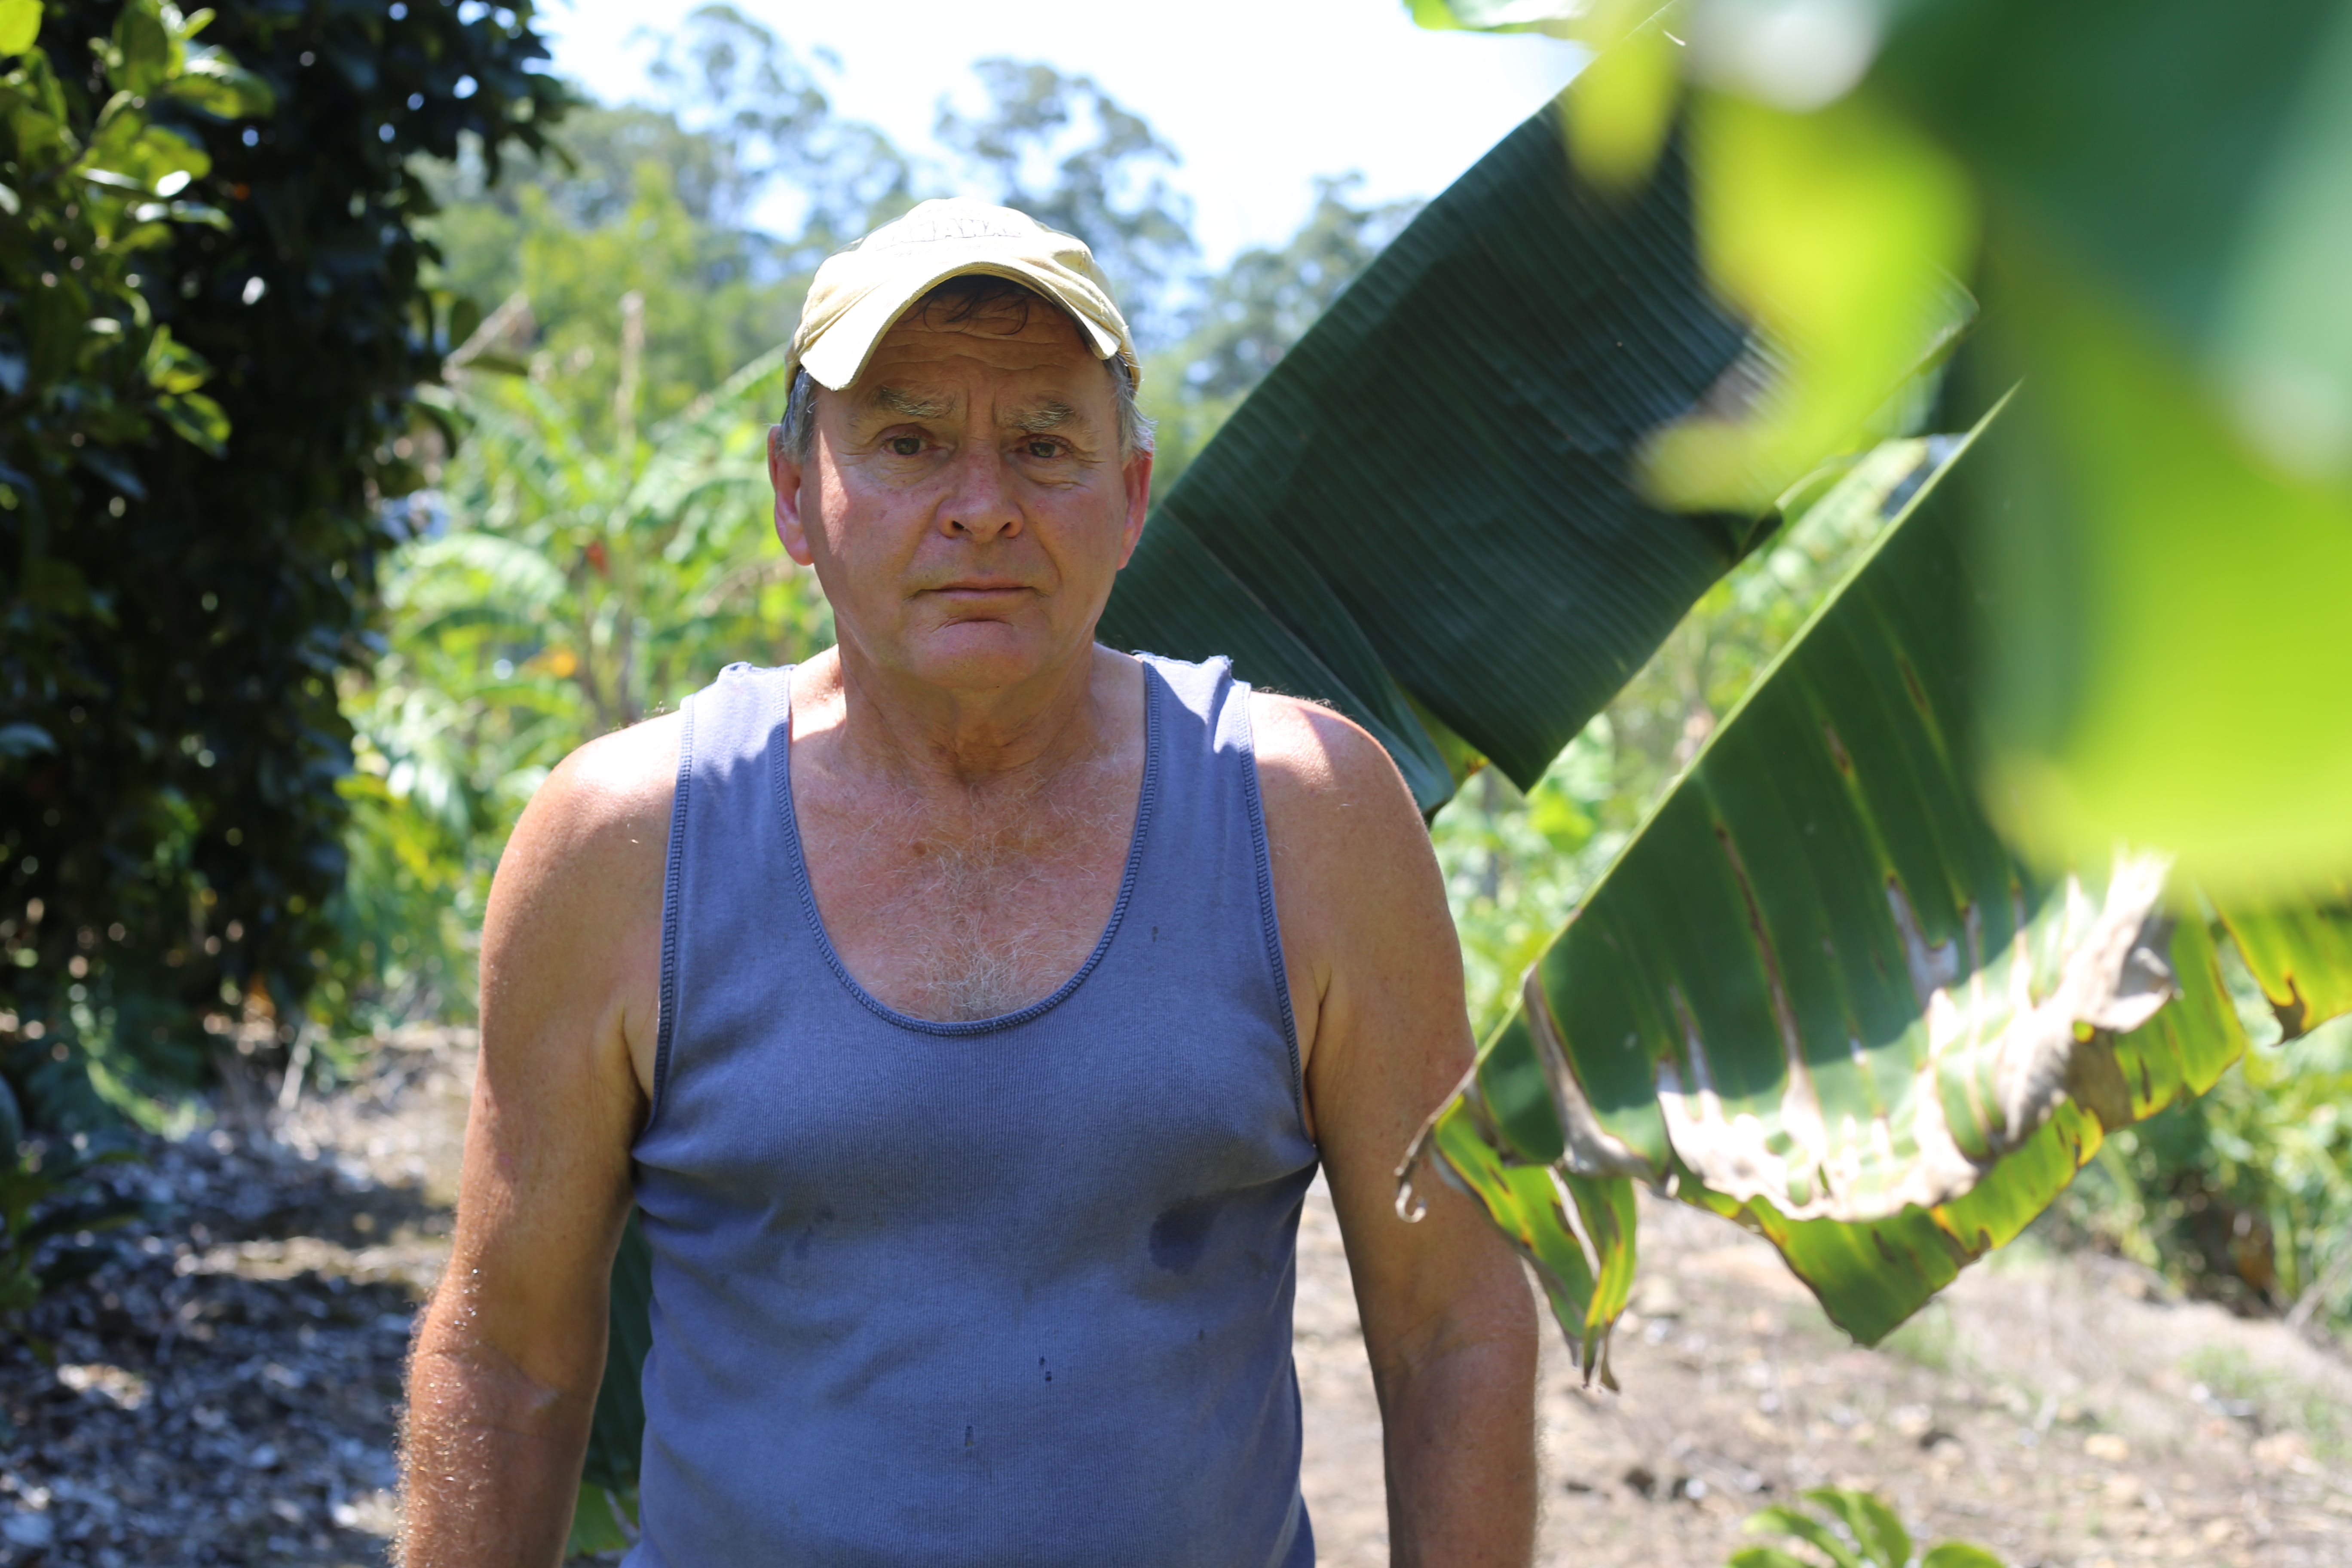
228 1389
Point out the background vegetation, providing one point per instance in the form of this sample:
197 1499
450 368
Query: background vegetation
298 620
216 318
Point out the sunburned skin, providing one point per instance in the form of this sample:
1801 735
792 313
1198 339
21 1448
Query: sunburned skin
964 872
969 900
964 548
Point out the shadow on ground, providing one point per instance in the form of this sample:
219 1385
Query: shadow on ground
227 1389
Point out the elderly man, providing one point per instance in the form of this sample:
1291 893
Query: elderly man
967 1010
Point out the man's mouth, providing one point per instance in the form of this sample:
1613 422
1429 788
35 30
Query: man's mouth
980 589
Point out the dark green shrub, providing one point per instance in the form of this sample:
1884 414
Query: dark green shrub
174 607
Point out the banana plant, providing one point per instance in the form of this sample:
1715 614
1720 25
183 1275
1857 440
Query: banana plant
1860 982
2157 229
561 583
1819 993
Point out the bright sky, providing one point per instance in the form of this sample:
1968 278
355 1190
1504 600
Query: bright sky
1258 96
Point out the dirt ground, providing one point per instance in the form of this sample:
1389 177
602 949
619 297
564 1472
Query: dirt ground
228 1390
2058 1410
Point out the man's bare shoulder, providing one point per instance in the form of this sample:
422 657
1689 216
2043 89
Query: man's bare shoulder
1326 781
596 834
603 798
571 944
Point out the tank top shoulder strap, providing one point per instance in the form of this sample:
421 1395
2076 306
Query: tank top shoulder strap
727 733
1210 840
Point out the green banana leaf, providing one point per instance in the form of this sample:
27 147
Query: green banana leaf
1817 993
1432 499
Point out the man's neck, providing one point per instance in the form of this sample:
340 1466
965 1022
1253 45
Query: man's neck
882 726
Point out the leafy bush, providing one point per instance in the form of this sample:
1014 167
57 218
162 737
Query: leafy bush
41 1203
2243 1194
572 586
177 606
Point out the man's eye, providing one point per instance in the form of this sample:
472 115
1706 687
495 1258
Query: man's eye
1045 448
905 445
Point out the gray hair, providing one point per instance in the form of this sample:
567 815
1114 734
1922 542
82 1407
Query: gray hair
797 431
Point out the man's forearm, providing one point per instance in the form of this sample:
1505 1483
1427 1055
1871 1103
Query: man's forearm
1460 1446
489 1461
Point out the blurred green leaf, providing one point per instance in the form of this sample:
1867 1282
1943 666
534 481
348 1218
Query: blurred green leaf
1777 1519
217 85
1873 1537
1619 108
1867 1519
1959 1554
2149 572
598 1522
197 420
20 24
143 48
1838 233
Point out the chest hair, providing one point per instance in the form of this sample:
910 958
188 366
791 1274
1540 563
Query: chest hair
973 903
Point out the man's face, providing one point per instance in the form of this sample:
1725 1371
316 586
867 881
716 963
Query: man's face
965 503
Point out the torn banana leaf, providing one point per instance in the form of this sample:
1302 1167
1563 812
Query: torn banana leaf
2301 957
1817 993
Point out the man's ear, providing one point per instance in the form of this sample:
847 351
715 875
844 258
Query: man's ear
1137 473
785 474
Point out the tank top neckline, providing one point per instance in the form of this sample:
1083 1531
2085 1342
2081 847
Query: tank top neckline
950 1028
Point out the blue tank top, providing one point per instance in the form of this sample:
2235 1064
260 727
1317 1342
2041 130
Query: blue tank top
1015 1292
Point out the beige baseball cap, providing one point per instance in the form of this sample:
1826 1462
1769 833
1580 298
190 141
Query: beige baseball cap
860 293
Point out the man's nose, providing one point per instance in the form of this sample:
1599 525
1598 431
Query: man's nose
980 503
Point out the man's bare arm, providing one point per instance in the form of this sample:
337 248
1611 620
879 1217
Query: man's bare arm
1376 980
506 1364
